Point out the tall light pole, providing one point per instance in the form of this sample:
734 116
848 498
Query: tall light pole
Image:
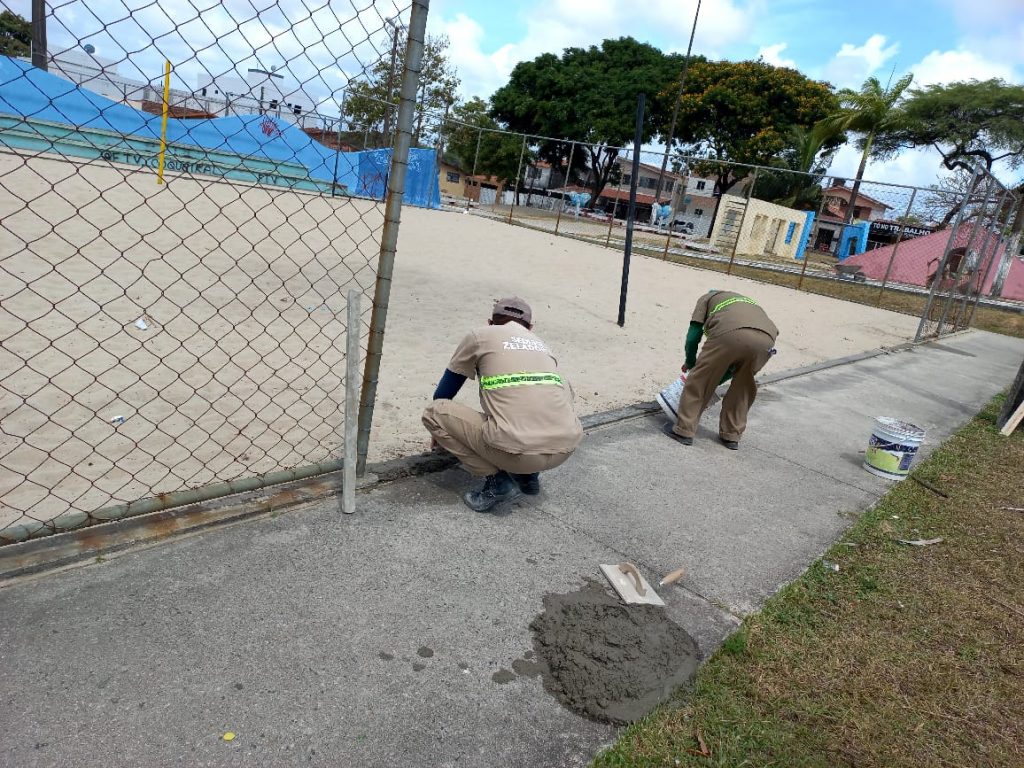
391 75
675 108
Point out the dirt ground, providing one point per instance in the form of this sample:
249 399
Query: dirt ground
242 292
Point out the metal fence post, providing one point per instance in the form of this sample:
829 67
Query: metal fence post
565 185
809 247
476 157
951 299
392 219
348 488
627 252
945 258
983 269
515 188
743 220
896 247
611 222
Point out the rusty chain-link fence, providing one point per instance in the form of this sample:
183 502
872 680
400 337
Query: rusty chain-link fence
180 224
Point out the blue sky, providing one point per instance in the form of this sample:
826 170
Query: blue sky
842 42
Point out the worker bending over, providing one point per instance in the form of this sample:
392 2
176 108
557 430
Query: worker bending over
528 424
740 339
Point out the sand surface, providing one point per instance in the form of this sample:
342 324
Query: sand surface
242 289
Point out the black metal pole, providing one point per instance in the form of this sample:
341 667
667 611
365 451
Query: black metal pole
638 135
39 34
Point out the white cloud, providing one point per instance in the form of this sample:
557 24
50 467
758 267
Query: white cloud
960 65
772 54
853 63
553 25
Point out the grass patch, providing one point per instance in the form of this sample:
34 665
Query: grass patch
907 656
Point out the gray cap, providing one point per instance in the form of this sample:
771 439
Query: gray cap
513 307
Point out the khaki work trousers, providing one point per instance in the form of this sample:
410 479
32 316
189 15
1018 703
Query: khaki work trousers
747 349
459 430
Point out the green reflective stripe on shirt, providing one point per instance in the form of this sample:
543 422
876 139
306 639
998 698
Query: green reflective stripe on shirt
519 380
736 299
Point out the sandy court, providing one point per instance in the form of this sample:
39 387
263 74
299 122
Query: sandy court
451 266
242 289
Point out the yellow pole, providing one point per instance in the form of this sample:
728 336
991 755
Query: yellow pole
163 126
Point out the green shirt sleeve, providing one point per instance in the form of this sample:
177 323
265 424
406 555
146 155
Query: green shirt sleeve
692 342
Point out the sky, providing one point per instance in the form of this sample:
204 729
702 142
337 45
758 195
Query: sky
322 44
843 43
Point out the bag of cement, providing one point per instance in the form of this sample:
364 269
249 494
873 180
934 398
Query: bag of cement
669 397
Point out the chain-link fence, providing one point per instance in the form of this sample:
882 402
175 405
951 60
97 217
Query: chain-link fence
182 219
877 243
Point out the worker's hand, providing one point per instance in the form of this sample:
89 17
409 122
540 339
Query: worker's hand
685 369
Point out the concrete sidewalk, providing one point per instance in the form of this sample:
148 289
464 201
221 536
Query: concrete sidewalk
375 640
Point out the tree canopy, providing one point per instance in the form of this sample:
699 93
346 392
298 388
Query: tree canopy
15 35
370 101
498 152
875 112
967 123
745 112
588 94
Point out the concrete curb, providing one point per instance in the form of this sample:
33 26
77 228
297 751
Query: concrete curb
38 555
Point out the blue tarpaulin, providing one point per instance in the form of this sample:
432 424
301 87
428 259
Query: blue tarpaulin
33 94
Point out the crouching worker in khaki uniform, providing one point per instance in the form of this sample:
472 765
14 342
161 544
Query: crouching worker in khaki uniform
740 340
528 424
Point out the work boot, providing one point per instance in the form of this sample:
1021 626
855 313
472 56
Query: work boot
732 445
497 488
528 484
667 429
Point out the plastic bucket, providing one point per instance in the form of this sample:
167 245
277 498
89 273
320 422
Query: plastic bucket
892 448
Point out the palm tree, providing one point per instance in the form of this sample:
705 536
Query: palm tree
872 111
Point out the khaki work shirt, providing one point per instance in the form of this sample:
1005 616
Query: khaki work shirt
528 402
734 311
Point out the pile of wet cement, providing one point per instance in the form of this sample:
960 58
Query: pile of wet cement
608 661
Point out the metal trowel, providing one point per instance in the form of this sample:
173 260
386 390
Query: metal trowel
631 586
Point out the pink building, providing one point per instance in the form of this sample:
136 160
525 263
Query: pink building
917 261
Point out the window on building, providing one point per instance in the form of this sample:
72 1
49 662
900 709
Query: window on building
701 184
204 91
647 183
857 211
453 177
533 172
627 178
698 211
668 186
790 232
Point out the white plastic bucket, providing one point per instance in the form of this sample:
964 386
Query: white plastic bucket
892 448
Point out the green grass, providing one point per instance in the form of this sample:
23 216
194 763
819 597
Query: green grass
908 656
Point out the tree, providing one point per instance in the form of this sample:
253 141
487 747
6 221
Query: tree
588 94
874 112
15 35
369 102
473 135
745 112
802 166
966 123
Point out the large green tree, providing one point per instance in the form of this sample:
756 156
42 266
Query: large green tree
588 95
875 112
796 173
967 123
745 112
370 103
15 35
477 143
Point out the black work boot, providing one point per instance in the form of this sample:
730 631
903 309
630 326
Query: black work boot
497 488
528 484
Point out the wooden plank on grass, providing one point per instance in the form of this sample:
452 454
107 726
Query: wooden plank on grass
1014 420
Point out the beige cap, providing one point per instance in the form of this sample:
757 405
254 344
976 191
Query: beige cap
513 307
